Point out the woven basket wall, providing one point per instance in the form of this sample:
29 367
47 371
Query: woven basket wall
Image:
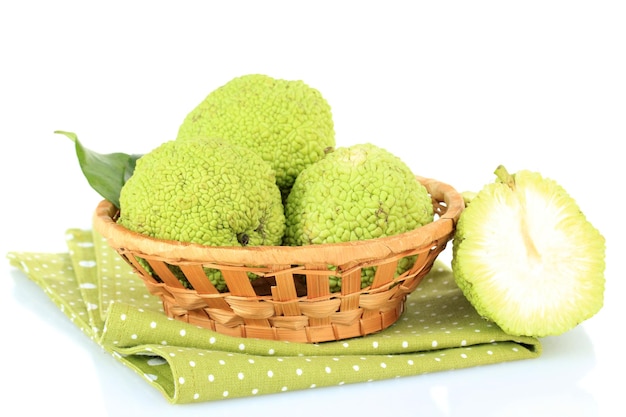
292 298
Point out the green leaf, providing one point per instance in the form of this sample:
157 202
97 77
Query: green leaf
106 173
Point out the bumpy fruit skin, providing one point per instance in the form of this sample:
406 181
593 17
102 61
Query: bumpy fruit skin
205 191
287 122
356 193
526 257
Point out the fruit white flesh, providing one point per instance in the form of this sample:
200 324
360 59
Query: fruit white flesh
527 258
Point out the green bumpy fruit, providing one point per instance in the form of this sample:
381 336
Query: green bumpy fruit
527 258
356 193
204 191
288 123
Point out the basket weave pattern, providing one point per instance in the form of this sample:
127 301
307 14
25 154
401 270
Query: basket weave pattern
291 300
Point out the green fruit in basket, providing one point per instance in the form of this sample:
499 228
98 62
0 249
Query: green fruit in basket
356 193
288 123
527 258
205 191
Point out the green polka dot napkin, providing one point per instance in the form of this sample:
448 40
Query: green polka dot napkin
93 286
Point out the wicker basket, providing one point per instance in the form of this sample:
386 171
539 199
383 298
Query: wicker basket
291 300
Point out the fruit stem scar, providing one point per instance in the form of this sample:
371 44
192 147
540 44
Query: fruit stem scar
504 176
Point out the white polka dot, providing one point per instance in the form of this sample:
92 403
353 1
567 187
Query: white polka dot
345 344
222 362
463 342
383 365
87 264
153 324
181 380
255 391
242 346
405 344
355 367
156 361
298 371
283 389
434 344
225 393
182 332
196 396
151 377
271 351
240 375
410 362
211 378
192 364
270 373
375 345
463 355
328 370
133 336
489 352
123 317
212 340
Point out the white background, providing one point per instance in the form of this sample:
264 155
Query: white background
454 88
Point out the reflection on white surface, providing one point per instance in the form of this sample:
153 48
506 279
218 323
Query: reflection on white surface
440 398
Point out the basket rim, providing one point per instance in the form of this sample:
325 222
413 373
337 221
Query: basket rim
441 229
